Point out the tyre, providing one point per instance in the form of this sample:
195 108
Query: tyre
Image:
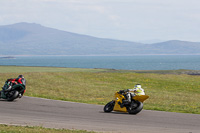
135 107
109 106
12 95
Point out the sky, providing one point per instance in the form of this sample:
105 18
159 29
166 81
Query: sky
130 20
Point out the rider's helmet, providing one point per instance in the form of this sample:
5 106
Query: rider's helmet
138 86
20 76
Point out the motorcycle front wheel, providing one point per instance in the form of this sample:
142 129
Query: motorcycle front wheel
109 106
135 107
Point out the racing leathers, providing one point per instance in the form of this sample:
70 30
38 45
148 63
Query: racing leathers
133 92
129 93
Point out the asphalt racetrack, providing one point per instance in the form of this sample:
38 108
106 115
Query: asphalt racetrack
60 114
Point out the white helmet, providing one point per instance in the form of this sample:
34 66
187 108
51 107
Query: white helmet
138 86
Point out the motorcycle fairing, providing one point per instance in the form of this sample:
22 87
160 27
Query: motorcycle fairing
118 101
120 97
141 98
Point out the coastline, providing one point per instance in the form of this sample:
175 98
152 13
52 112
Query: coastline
7 57
100 55
136 62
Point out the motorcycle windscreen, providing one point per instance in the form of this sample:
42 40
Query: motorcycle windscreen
141 98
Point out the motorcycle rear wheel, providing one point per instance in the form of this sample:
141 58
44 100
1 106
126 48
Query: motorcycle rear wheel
14 95
135 107
109 106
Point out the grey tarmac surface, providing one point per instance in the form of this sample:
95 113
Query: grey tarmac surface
61 114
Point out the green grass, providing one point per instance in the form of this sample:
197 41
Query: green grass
27 129
174 92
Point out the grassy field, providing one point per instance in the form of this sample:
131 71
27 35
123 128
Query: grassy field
26 129
174 92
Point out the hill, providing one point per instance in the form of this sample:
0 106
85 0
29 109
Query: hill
34 39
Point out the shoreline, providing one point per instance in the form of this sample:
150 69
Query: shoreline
177 71
5 56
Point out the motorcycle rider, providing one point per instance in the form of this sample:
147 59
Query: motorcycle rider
129 93
14 83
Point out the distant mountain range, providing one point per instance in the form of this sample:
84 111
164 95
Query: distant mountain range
34 39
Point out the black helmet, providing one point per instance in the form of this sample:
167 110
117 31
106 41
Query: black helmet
20 76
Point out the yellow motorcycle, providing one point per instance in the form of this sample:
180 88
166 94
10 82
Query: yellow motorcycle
120 103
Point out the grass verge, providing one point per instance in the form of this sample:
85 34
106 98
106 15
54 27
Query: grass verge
27 129
174 92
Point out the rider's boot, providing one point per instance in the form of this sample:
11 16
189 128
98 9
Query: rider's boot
20 95
124 102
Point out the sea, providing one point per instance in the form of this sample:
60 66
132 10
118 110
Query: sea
136 62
